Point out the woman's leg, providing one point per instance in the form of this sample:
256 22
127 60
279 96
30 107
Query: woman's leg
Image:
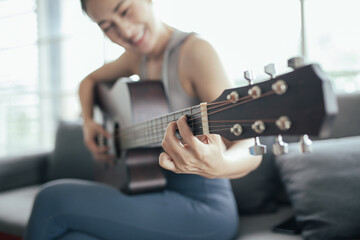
77 236
105 213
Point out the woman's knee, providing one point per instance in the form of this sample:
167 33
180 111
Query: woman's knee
55 194
76 235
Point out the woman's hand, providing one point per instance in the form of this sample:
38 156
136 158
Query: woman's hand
92 131
202 155
207 155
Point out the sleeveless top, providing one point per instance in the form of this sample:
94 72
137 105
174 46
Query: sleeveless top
198 187
177 97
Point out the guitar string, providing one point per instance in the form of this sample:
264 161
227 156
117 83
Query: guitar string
145 134
218 104
161 125
220 121
144 141
196 113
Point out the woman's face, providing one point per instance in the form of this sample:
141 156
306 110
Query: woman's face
129 23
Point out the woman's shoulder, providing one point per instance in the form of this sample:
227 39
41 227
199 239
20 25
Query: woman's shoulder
197 51
196 44
130 60
124 66
127 63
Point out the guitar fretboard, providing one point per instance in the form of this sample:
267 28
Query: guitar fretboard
153 131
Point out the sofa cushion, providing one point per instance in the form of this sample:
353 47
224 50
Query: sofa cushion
324 187
15 209
259 226
71 158
257 191
24 170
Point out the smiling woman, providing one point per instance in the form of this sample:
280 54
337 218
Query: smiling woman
58 47
116 22
205 206
57 43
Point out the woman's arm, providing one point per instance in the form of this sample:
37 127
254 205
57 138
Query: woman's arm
122 67
209 155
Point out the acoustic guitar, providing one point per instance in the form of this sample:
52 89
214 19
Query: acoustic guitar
137 114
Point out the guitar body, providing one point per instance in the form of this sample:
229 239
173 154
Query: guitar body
123 103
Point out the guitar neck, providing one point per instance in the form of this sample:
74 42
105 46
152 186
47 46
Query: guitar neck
295 103
152 132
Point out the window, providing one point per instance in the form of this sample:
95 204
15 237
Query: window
333 37
19 98
40 73
50 46
246 34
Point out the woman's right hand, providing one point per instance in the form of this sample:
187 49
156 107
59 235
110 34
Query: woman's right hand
92 131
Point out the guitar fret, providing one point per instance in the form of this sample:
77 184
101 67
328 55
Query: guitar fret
177 115
158 129
164 123
192 122
148 134
144 132
153 131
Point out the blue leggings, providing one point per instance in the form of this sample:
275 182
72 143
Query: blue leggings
192 207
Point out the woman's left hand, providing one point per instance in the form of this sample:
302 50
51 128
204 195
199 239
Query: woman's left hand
203 155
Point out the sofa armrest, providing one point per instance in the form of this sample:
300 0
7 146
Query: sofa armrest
21 171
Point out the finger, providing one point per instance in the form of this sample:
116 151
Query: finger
186 133
209 138
167 163
170 142
105 158
102 131
94 148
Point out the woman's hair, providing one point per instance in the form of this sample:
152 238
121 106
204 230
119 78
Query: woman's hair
83 5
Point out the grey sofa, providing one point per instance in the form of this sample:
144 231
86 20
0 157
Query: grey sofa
265 197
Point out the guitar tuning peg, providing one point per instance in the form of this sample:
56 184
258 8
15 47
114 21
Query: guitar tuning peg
270 70
280 147
258 148
296 62
305 144
249 76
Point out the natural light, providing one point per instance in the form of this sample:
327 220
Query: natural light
50 46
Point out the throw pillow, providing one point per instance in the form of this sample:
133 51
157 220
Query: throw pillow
324 187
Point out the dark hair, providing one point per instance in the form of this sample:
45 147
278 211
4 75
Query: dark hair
83 5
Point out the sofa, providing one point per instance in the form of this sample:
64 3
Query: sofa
320 189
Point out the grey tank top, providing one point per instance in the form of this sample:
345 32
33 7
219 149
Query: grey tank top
177 97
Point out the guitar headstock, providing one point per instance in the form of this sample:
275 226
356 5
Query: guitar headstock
295 103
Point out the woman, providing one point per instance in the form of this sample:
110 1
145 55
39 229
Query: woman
195 205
